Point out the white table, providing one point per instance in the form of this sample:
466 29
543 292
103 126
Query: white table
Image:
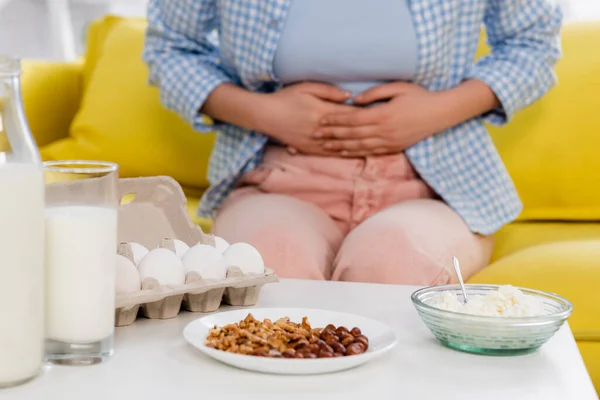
152 361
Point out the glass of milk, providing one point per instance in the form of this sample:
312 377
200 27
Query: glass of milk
81 243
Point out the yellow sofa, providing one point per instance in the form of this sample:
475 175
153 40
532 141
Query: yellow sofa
101 108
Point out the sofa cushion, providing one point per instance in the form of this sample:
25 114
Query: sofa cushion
551 148
121 118
521 235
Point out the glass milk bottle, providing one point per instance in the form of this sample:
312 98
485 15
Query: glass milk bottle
21 237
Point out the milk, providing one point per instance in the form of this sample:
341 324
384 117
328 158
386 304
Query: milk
21 271
81 245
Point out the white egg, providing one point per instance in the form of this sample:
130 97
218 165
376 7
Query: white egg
127 276
139 252
180 247
246 257
221 244
164 266
206 261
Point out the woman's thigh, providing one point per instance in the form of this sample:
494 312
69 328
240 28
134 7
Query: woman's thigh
411 243
295 238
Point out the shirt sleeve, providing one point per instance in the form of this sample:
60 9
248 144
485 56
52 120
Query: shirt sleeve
524 36
182 52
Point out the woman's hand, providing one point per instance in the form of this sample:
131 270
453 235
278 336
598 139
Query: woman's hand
411 115
292 115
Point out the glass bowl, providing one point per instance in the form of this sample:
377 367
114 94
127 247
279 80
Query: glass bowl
491 335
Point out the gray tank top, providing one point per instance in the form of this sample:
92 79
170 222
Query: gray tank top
354 44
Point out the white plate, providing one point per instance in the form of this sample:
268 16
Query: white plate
381 339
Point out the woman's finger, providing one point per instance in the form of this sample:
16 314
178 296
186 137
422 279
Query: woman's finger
344 132
385 92
359 117
367 144
324 91
362 153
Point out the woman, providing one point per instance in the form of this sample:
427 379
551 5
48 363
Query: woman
351 143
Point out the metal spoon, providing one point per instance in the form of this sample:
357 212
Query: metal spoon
460 279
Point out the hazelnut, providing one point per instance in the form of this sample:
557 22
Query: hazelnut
314 339
338 354
364 340
338 348
331 327
289 353
260 353
299 355
301 344
313 348
347 339
310 355
332 340
341 331
327 333
356 332
355 348
305 352
325 347
325 354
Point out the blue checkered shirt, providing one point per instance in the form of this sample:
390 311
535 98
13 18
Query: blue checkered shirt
192 46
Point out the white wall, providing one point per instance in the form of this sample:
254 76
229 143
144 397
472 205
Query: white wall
24 29
583 10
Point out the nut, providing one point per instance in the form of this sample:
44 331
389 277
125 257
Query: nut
327 334
338 348
301 344
326 348
284 338
364 340
325 354
341 331
313 348
260 353
289 353
332 340
347 339
354 349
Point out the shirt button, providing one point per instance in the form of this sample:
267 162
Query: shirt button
265 77
273 24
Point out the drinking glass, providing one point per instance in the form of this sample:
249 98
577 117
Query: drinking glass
81 242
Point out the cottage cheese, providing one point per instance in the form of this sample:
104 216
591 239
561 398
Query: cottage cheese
508 301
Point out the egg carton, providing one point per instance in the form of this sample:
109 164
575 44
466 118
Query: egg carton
154 213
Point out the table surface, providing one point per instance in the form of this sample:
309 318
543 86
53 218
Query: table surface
152 361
